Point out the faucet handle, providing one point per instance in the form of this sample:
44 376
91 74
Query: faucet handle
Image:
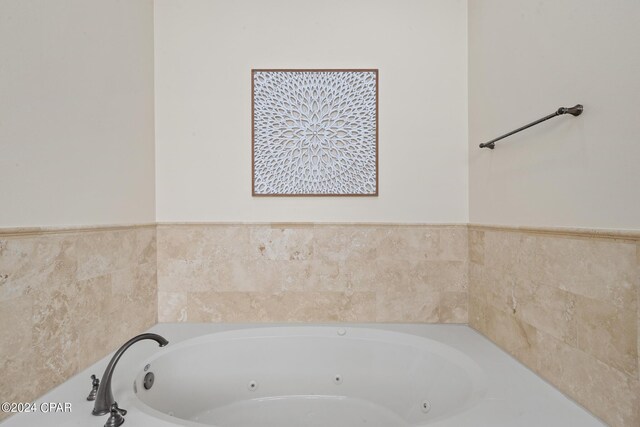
95 383
117 416
121 411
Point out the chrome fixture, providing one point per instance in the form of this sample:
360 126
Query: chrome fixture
104 400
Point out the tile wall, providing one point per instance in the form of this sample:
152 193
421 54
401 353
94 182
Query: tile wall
566 305
312 273
67 299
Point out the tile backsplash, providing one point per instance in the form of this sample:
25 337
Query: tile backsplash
312 273
67 299
565 305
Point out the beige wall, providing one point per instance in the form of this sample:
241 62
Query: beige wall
205 50
307 273
76 112
76 148
526 58
67 299
566 305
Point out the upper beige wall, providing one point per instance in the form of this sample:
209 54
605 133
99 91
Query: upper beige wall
76 112
205 50
526 59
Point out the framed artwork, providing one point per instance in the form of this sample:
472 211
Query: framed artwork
314 132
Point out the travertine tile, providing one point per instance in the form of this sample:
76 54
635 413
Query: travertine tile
280 307
190 275
419 243
231 307
454 244
328 275
102 252
444 276
476 246
175 242
609 333
478 283
136 283
289 276
220 258
93 317
172 306
325 306
638 309
138 308
567 307
290 244
454 307
28 264
55 339
407 243
512 334
327 259
194 242
145 246
134 301
345 244
372 275
549 309
72 297
564 306
498 292
605 391
264 275
409 305
16 357
477 317
595 268
510 254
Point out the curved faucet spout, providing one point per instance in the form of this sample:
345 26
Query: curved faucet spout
104 399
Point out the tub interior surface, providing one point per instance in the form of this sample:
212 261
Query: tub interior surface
300 410
289 376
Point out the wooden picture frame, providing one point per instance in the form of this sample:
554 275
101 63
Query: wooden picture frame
322 137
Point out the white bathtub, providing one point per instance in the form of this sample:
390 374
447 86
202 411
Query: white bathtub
312 376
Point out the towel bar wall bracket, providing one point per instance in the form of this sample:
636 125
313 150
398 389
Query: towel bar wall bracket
574 111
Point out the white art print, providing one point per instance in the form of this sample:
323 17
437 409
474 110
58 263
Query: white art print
315 132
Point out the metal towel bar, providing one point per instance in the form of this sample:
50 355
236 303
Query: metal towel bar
574 111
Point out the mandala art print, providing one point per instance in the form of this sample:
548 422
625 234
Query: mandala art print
315 132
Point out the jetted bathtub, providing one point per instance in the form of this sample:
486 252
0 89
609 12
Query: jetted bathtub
387 375
309 376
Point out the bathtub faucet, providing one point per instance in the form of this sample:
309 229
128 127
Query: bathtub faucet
104 399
